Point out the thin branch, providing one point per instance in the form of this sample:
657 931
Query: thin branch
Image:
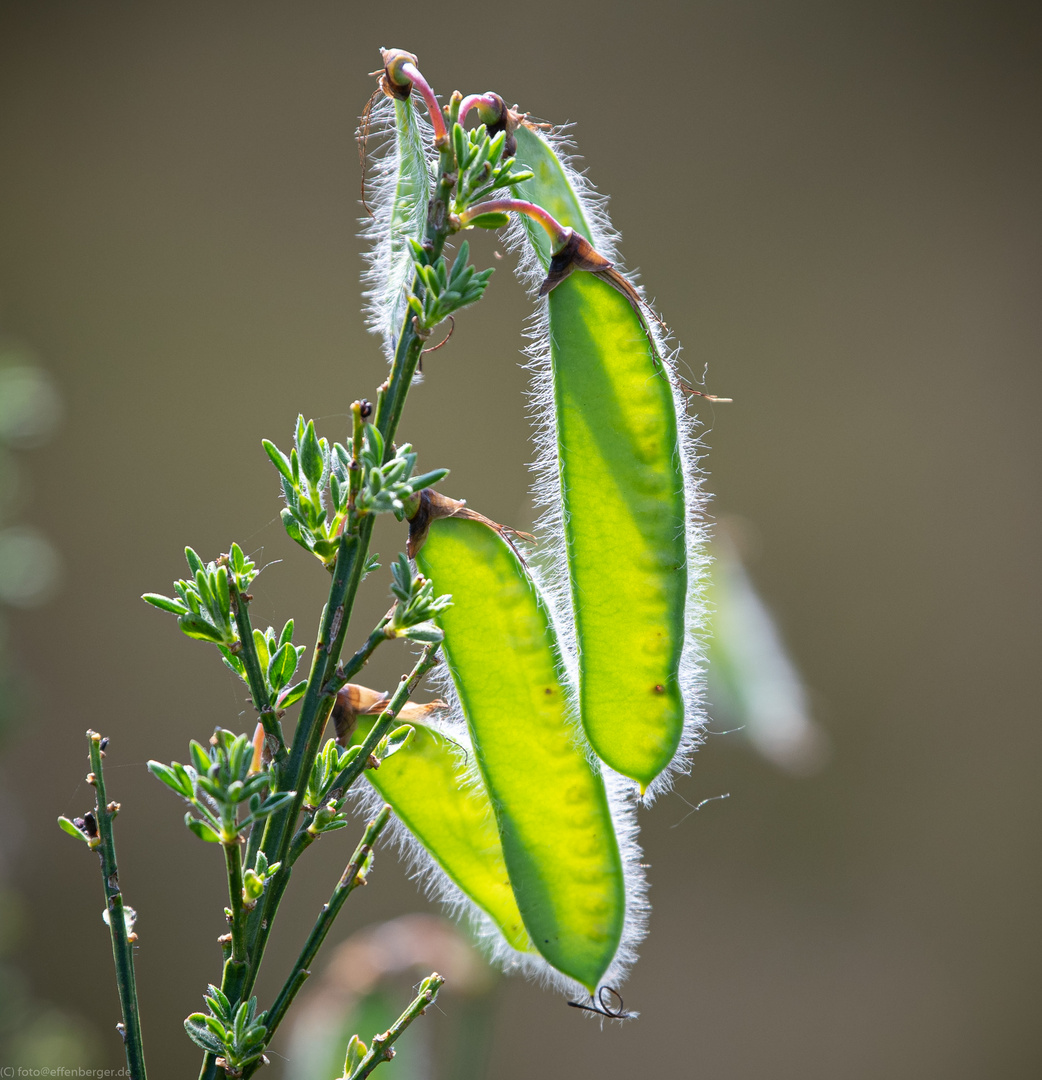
122 951
353 876
382 1048
255 677
233 864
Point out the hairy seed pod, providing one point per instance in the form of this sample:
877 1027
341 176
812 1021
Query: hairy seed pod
444 805
617 477
552 809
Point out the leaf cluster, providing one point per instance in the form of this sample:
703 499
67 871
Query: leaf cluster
416 605
386 486
278 659
236 1035
445 290
483 168
324 486
217 783
203 602
324 792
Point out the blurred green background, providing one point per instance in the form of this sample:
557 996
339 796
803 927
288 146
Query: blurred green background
836 206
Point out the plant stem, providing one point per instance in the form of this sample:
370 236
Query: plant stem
361 658
233 864
301 840
122 951
382 1044
258 688
352 877
350 562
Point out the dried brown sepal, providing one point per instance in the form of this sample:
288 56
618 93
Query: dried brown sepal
392 82
433 505
354 701
577 253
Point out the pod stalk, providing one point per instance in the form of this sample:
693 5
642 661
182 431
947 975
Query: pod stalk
400 76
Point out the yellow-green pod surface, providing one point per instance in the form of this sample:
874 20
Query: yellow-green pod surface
427 786
551 807
622 488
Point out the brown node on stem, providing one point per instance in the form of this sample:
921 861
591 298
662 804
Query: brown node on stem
432 505
354 701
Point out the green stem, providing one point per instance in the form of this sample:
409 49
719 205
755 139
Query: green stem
253 844
352 877
233 864
362 657
350 562
255 677
381 1047
301 840
122 952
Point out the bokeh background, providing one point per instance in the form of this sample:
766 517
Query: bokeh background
836 206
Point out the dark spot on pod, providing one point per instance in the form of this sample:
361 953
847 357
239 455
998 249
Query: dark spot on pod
659 688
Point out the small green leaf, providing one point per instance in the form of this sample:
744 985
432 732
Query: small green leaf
311 456
224 600
278 459
260 643
201 1034
202 830
195 564
490 221
164 603
425 632
200 758
292 695
418 483
325 549
71 829
281 666
179 783
200 628
356 1051
396 740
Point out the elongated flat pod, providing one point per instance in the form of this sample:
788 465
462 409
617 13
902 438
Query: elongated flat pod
397 197
447 809
753 682
551 806
619 472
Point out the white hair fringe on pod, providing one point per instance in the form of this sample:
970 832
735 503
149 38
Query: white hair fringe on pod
389 271
388 277
550 562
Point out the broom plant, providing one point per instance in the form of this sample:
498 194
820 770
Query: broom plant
570 687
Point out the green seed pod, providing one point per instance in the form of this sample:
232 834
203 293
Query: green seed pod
617 478
753 683
442 802
397 197
558 826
